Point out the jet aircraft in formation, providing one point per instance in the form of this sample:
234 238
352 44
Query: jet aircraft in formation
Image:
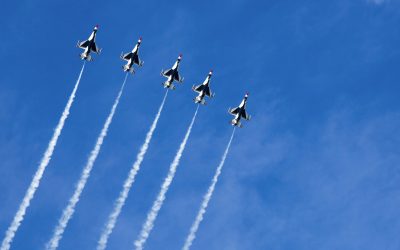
203 90
132 58
89 45
171 74
240 112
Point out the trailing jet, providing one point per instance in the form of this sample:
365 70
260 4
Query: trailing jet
132 58
89 45
240 112
172 74
203 90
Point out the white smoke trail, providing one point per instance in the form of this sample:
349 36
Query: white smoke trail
206 199
112 219
152 215
70 209
19 216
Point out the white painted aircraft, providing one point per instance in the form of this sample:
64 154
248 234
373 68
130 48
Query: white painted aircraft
132 58
203 90
89 46
240 112
172 74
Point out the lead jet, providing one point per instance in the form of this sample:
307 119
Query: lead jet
203 90
172 74
240 112
89 45
132 58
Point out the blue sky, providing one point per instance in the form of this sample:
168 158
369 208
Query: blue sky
316 168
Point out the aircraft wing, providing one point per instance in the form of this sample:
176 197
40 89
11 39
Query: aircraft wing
177 77
136 59
199 88
84 44
245 115
207 91
94 48
168 72
234 111
127 56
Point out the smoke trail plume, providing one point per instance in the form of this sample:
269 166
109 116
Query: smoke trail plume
19 216
70 209
192 234
152 215
112 219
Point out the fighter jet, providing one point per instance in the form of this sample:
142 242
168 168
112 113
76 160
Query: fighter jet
240 112
203 90
172 74
132 58
89 46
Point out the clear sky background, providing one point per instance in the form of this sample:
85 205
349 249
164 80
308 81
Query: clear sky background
316 168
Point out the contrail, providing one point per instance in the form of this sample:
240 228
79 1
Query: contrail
70 209
152 215
112 219
192 234
19 216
